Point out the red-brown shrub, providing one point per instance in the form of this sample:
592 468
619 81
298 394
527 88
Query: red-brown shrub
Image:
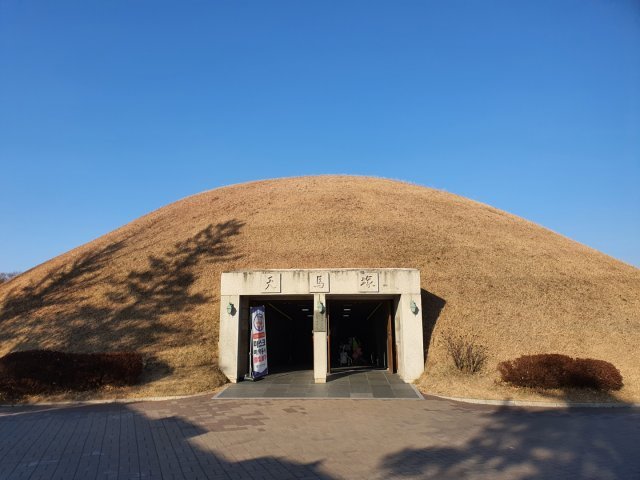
544 370
45 371
560 371
598 374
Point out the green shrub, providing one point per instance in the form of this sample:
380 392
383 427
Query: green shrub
468 356
36 372
552 370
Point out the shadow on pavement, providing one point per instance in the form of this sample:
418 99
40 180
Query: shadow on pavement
523 444
121 442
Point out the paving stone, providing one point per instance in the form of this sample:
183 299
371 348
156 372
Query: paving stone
360 388
327 438
382 392
342 385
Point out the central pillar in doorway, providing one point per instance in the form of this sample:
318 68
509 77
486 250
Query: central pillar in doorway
319 338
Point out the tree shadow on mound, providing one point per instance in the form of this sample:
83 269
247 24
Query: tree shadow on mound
432 305
164 286
62 286
124 315
519 443
121 441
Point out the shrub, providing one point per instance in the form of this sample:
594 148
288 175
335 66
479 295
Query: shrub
597 374
468 356
45 371
560 371
544 370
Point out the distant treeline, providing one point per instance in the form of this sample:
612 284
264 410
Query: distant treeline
5 277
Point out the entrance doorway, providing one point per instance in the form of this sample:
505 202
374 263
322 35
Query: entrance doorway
289 326
312 314
361 334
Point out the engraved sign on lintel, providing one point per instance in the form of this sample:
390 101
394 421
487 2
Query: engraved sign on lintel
319 282
270 282
368 282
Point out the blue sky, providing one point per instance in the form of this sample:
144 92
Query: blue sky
109 110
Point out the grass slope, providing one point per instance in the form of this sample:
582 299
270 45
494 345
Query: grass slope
153 285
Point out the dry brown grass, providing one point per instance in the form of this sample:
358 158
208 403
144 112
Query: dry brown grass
153 285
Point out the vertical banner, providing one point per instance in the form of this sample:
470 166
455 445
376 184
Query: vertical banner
258 342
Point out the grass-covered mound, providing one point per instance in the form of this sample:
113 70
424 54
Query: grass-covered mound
152 286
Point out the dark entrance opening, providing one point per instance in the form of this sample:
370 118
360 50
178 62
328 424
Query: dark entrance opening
289 326
361 334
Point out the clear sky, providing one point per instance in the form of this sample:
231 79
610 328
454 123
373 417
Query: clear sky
109 110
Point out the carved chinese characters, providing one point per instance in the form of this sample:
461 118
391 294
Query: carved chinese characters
319 282
271 282
368 282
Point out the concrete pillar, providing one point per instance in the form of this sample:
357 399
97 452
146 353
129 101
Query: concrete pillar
228 337
409 338
319 338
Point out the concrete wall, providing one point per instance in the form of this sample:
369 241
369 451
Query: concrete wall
403 285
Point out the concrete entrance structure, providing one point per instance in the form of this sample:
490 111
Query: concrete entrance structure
401 286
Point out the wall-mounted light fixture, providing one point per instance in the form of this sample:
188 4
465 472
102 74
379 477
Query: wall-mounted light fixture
413 307
321 308
231 309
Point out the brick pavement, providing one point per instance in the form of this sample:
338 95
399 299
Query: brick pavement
201 437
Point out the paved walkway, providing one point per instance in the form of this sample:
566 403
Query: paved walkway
201 437
346 384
